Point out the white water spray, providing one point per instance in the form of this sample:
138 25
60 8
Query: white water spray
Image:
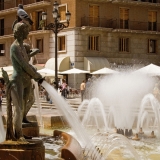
68 113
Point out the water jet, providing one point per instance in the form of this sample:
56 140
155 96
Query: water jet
136 137
152 135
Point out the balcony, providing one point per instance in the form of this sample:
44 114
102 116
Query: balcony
155 3
10 6
96 22
7 32
143 3
120 24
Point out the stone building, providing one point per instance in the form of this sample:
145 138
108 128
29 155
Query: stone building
111 33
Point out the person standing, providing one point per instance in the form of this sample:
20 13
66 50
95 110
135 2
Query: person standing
64 89
82 89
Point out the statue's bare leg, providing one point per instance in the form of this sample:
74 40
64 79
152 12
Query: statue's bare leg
17 95
26 98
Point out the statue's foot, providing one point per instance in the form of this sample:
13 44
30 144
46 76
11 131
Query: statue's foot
25 120
22 140
27 137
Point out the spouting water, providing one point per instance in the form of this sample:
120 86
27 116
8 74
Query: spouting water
149 114
121 96
95 115
36 94
68 113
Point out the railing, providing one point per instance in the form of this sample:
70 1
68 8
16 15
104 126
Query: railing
119 24
8 31
12 4
25 2
149 1
96 22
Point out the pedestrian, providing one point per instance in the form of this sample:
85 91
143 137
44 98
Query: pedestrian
64 89
82 89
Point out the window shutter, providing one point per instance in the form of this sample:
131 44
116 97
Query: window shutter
90 11
152 16
34 21
63 43
124 14
62 12
94 15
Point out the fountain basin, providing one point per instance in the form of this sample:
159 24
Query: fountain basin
72 149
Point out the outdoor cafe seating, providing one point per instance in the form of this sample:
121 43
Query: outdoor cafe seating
73 93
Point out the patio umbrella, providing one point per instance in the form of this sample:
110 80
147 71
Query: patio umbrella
151 69
104 71
47 72
74 71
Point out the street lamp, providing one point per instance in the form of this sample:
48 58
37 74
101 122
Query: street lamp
56 27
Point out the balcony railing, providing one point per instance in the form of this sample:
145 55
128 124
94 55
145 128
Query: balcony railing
96 22
120 24
11 3
149 1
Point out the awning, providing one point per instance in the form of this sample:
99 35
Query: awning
95 63
62 64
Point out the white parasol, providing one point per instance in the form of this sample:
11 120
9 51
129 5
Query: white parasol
151 69
74 71
104 71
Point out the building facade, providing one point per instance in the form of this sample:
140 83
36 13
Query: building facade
111 33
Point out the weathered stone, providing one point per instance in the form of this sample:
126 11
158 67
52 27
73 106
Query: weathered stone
11 150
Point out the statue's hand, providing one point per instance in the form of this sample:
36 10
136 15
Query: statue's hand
34 51
41 80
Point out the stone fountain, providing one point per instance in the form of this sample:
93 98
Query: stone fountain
120 104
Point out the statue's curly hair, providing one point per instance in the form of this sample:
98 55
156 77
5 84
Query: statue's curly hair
19 29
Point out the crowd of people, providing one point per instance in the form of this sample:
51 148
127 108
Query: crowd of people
65 90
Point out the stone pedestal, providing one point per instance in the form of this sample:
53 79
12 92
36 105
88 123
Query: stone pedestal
30 129
11 150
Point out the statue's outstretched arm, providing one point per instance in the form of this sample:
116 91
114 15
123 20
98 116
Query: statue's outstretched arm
33 52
